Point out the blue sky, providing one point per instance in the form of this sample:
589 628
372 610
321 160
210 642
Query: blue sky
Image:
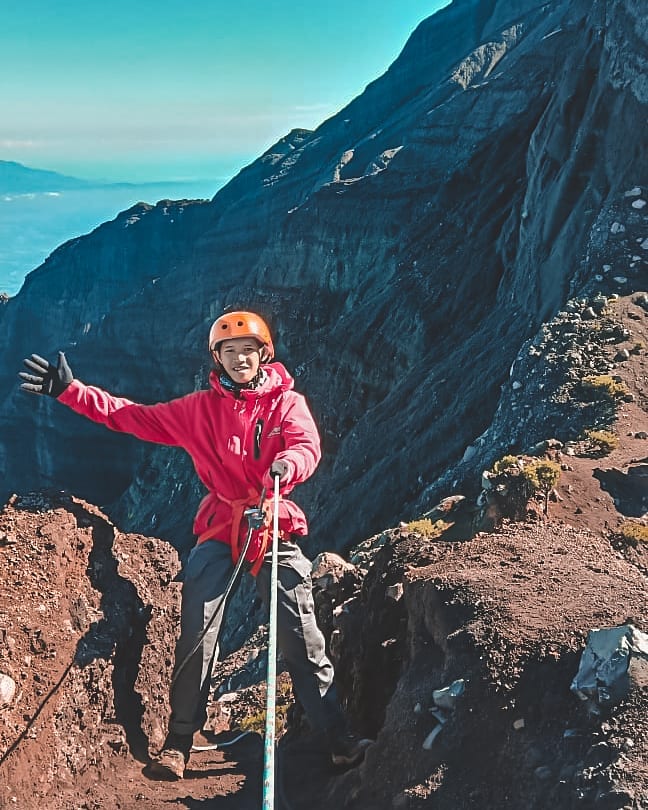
183 89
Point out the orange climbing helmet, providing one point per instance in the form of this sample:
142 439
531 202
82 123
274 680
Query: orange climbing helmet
238 325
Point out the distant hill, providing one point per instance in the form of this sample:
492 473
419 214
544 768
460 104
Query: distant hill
18 179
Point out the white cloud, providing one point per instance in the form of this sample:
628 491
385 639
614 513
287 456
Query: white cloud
18 144
321 107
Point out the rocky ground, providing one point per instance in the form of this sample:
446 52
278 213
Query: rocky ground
88 617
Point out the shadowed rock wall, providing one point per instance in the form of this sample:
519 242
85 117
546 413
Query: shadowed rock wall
402 252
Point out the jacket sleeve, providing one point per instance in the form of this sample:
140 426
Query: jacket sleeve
301 441
161 423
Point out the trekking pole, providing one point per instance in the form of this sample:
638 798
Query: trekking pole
269 743
255 521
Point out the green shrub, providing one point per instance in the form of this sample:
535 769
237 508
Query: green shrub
427 528
256 720
504 464
603 440
603 386
633 533
533 476
542 476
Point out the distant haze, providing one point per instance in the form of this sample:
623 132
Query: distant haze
39 210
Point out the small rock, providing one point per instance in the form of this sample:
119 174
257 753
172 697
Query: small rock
599 302
228 697
329 568
572 733
589 314
620 279
617 227
7 689
7 539
634 192
518 724
428 742
447 697
394 592
639 204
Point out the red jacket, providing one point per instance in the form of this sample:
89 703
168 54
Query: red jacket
231 440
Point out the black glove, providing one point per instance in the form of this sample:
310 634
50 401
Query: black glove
44 378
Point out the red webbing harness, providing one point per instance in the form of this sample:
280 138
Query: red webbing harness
238 507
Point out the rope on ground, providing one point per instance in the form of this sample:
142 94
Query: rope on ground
33 719
215 746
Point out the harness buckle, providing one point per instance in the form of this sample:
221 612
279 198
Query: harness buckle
254 516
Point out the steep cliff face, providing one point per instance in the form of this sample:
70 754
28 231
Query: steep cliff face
403 252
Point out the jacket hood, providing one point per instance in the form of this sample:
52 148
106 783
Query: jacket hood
277 379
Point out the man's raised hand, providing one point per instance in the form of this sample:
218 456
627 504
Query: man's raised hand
44 378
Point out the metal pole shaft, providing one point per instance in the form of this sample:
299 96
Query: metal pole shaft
269 743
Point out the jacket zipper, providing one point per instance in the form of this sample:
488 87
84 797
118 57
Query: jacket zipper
258 430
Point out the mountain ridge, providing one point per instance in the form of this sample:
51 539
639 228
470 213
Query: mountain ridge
438 243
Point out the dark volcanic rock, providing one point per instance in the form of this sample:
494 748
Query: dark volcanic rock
403 252
484 615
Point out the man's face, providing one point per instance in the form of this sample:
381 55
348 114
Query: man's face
240 357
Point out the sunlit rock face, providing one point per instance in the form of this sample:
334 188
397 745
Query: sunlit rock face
403 253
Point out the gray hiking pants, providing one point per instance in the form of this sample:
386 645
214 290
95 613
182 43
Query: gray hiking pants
299 639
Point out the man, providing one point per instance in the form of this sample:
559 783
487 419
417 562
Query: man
248 427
